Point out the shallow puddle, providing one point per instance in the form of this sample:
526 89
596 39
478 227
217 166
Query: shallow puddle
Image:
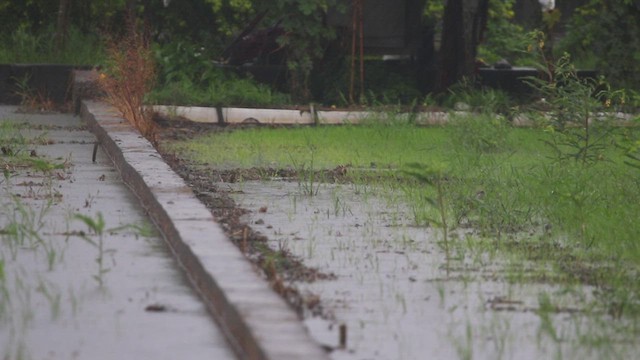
398 296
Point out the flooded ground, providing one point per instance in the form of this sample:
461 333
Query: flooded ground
400 298
83 275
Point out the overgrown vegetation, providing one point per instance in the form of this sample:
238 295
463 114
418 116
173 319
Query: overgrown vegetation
577 112
505 39
23 45
189 53
129 76
307 38
186 75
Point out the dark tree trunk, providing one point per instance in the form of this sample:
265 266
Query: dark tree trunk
62 26
464 23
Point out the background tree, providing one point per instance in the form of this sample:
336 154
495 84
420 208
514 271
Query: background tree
601 33
306 37
607 34
463 25
62 27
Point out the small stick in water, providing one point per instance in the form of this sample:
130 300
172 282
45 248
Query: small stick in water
95 151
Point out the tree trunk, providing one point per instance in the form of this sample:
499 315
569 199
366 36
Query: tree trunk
464 23
62 26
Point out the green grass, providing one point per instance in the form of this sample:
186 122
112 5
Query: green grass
581 219
25 47
236 91
15 149
358 146
332 146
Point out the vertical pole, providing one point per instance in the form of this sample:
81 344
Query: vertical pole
354 5
361 25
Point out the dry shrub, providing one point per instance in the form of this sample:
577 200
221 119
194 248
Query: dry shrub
37 102
32 100
129 75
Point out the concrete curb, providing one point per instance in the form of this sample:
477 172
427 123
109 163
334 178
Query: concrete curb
258 323
231 115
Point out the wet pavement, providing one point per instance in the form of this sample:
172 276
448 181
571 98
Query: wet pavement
70 291
257 321
399 298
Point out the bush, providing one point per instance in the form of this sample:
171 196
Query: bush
129 76
25 46
187 76
504 39
469 95
577 112
606 31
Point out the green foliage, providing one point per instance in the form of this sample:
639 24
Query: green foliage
12 142
236 12
187 76
480 133
389 85
225 90
385 83
26 46
434 10
605 33
467 94
630 146
497 201
307 37
306 173
39 16
436 178
29 14
573 112
16 150
25 224
231 15
209 23
504 39
97 227
182 60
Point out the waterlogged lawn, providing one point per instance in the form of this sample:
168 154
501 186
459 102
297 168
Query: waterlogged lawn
499 183
522 207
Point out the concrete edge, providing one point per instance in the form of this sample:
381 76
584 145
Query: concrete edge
338 117
258 323
311 116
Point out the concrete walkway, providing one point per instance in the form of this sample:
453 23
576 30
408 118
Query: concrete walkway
258 322
68 292
117 258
